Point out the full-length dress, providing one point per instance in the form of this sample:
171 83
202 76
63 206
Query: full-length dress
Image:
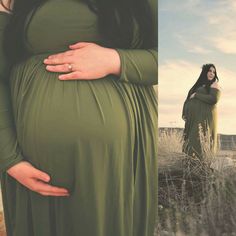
97 138
200 114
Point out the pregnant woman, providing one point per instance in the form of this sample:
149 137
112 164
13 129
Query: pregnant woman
200 113
78 117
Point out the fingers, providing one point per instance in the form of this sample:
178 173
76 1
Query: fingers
58 68
54 194
60 58
41 187
72 76
57 61
215 85
79 45
36 173
60 55
65 57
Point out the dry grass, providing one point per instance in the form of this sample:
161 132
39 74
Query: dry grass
2 225
196 197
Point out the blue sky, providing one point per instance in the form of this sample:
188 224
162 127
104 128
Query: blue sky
192 33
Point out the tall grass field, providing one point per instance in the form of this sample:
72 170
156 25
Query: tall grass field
197 197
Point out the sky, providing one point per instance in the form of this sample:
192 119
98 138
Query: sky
192 33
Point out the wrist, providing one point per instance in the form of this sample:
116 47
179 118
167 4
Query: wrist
114 62
14 167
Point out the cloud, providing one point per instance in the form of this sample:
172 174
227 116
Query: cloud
226 43
222 21
198 50
191 46
172 6
213 25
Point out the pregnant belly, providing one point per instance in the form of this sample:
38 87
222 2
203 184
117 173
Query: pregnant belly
53 118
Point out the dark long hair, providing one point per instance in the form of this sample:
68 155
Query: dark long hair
115 21
203 80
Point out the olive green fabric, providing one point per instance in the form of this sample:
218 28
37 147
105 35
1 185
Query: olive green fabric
96 138
200 115
9 150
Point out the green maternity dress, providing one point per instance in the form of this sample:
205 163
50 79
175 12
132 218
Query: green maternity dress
200 115
97 138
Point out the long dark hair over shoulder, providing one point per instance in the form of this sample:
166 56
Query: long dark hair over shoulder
115 21
202 79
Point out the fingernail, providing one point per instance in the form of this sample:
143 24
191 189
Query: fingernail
45 60
47 178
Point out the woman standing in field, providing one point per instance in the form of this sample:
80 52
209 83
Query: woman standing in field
200 113
78 117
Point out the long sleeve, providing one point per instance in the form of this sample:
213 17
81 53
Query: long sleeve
140 66
211 98
9 150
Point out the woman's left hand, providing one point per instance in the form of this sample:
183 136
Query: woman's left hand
215 85
192 96
86 61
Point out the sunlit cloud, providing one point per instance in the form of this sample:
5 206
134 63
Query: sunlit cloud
191 46
198 50
221 20
183 6
218 27
226 43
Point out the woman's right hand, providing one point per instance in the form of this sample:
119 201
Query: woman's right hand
35 179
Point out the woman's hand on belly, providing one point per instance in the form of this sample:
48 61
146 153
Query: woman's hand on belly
35 179
193 95
85 61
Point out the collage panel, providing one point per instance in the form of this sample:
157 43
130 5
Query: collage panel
197 113
78 117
